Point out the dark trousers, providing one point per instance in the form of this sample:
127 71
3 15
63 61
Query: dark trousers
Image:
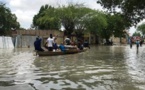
137 46
50 48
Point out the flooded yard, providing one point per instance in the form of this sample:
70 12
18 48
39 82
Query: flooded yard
99 68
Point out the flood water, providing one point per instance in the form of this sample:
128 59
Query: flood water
99 68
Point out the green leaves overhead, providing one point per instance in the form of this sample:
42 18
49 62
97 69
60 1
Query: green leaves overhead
141 28
136 34
67 16
46 18
73 18
77 19
8 20
131 9
96 21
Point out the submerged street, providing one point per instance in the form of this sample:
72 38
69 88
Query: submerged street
99 68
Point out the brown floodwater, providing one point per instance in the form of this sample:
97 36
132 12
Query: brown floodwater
99 68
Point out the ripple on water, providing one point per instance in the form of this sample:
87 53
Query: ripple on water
99 68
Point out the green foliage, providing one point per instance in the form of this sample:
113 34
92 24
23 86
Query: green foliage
136 34
117 24
108 25
8 20
67 17
81 20
46 18
133 10
96 22
141 28
77 19
73 18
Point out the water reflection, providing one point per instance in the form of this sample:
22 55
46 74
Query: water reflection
136 66
99 68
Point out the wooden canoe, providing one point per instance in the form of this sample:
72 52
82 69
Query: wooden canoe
54 53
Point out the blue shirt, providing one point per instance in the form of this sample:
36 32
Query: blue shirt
137 42
62 47
37 45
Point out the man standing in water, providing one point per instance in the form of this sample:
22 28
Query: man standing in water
50 42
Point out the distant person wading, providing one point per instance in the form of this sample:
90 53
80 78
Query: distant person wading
137 44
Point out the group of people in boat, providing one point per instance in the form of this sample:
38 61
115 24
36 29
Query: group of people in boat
51 44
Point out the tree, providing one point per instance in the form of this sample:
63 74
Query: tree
81 19
8 20
141 28
77 19
96 21
72 19
116 26
105 25
68 16
46 18
133 10
136 34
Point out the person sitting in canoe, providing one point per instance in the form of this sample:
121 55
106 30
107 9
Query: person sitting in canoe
67 40
62 47
86 44
55 46
80 45
37 44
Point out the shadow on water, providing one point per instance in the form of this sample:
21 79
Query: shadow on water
99 68
7 83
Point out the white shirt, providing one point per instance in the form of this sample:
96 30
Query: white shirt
50 42
67 39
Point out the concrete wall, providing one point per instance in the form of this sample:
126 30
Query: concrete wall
6 42
24 41
37 32
26 38
23 38
117 40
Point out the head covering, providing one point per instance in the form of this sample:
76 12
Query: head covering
37 38
50 35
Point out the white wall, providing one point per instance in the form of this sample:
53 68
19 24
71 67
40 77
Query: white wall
6 42
24 41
